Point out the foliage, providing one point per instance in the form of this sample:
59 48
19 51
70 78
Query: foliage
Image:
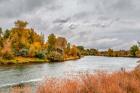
21 24
55 56
40 55
133 50
138 53
73 51
6 34
61 43
23 52
25 42
110 52
7 55
51 42
81 48
34 48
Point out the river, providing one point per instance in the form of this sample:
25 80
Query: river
15 74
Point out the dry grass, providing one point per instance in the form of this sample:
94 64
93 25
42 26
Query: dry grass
21 89
119 82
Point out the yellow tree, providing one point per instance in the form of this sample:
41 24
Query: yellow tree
34 48
73 51
21 24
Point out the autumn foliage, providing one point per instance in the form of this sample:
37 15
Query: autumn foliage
26 42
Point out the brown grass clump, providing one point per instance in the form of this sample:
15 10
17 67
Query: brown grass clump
119 82
21 89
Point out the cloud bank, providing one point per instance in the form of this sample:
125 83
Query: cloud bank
98 24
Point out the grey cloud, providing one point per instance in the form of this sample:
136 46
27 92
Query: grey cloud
92 23
15 8
123 5
61 20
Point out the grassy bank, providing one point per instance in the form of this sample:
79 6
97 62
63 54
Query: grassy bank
22 60
119 82
25 60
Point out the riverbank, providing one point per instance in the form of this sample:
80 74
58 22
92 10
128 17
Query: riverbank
117 82
30 73
27 60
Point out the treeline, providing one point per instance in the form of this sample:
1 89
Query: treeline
134 51
25 42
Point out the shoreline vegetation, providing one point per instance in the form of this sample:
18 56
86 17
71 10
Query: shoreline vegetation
23 60
101 82
20 45
118 82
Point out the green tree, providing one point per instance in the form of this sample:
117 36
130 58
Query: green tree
6 34
51 42
40 54
1 38
81 48
1 31
133 50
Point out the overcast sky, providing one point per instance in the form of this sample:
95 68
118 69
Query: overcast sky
98 24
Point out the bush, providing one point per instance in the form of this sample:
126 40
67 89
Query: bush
55 56
23 52
134 49
8 55
40 55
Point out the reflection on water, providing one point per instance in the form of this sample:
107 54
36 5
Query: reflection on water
34 72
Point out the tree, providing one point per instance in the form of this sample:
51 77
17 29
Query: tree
1 38
23 52
138 53
110 52
81 48
40 54
34 48
67 50
74 51
51 42
55 56
133 50
61 43
1 31
6 34
6 51
21 24
22 37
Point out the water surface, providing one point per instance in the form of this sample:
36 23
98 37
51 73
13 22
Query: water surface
16 74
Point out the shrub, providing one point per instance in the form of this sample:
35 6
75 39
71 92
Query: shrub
23 52
40 55
8 55
54 56
134 49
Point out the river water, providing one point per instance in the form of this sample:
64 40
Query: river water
15 74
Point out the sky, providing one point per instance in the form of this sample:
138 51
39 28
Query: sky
100 24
